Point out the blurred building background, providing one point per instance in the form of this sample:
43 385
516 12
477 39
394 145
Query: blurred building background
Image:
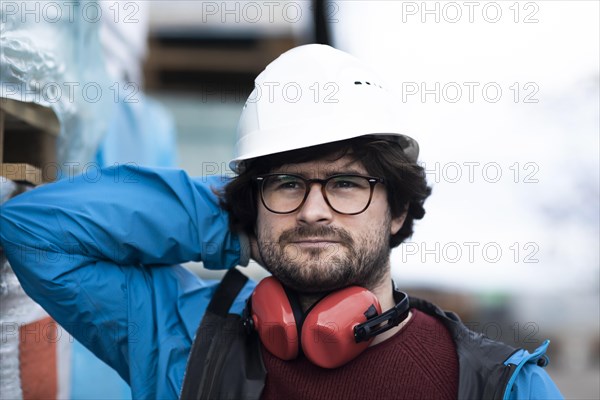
503 98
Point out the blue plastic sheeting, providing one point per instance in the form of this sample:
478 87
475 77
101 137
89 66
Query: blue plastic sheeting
141 132
51 55
93 379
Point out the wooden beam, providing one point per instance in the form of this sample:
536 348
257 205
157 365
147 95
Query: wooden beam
22 173
40 117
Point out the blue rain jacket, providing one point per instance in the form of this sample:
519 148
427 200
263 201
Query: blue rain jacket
101 254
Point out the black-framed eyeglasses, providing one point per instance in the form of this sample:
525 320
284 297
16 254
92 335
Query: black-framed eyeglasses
347 194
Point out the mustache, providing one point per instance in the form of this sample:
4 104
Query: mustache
306 232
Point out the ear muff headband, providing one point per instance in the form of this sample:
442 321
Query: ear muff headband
292 297
392 318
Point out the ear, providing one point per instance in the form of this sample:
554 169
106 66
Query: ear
397 223
255 250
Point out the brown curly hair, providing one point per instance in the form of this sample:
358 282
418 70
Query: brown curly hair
405 181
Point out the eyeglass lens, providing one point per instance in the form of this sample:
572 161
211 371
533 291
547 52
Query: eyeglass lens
345 193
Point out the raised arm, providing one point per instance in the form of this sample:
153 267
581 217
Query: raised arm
81 248
127 215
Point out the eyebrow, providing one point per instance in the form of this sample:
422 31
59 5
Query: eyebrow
348 168
350 171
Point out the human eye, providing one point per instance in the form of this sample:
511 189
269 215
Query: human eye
285 183
348 182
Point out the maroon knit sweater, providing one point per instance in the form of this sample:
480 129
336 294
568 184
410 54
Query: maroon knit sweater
419 362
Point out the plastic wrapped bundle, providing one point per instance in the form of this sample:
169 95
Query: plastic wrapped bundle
34 350
50 54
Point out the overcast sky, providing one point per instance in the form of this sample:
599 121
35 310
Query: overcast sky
517 94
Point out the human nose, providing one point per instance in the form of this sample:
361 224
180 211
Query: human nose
315 208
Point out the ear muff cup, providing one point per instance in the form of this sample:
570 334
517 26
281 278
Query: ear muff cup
325 334
274 319
328 330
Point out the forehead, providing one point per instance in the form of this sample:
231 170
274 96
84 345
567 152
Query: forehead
324 167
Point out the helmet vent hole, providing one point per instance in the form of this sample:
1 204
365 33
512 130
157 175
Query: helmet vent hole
368 83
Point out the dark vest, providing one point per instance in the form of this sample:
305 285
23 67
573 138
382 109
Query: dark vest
225 362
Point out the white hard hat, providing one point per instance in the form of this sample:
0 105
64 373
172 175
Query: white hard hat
315 94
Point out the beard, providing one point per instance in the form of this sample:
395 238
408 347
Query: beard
363 261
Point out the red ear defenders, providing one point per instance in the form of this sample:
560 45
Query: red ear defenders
335 330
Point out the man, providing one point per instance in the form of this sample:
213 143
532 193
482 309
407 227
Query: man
327 185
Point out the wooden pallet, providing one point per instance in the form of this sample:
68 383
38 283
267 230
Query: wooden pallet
28 136
197 58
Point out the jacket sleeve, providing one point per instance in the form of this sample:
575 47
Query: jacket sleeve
126 215
533 382
530 380
80 246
